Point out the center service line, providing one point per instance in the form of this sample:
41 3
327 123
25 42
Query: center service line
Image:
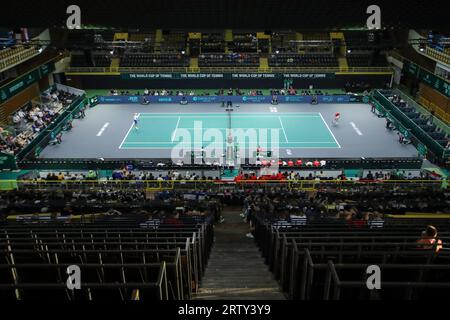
102 129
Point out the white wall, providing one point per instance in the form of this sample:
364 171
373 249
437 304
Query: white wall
61 65
43 36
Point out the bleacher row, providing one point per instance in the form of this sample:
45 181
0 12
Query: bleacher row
329 260
14 55
207 60
424 122
228 60
302 60
366 60
285 50
151 60
98 60
79 37
118 259
439 55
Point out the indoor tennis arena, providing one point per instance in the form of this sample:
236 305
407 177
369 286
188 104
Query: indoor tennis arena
269 155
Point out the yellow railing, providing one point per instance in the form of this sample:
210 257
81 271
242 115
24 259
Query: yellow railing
53 59
438 55
263 64
108 70
401 58
155 185
440 113
17 57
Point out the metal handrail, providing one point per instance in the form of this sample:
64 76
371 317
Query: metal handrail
161 283
422 110
442 114
104 182
398 56
199 184
438 55
31 70
332 275
414 125
224 69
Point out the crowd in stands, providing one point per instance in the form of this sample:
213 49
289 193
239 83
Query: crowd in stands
292 92
356 207
180 174
124 174
358 202
109 201
32 119
53 176
221 92
147 92
318 175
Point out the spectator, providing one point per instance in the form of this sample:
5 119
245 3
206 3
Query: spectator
429 240
173 218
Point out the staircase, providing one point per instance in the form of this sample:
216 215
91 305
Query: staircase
228 37
193 65
342 54
299 37
115 63
158 40
236 269
343 64
263 64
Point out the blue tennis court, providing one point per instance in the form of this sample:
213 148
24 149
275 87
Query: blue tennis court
288 130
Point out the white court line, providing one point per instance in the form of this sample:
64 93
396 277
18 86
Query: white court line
356 128
176 128
102 129
128 132
234 116
235 128
330 130
251 142
188 147
285 136
220 114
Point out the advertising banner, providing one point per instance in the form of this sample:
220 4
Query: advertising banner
221 99
430 79
16 86
228 76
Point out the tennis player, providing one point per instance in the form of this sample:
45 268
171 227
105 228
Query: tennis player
135 121
337 116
